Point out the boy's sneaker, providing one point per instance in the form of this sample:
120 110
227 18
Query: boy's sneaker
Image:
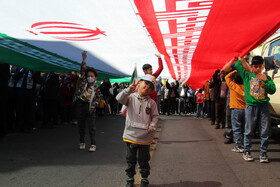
82 146
144 182
237 149
129 182
247 156
263 158
92 148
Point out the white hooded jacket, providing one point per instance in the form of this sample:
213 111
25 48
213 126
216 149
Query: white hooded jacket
142 114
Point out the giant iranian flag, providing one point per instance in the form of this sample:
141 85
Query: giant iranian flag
195 37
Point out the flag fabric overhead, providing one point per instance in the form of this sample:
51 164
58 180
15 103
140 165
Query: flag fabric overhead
199 36
196 37
108 30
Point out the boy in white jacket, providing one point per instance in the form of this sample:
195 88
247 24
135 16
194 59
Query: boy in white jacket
141 119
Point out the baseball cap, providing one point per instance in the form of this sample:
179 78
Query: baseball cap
151 79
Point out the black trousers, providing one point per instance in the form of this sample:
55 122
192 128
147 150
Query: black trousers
212 111
51 111
206 108
84 118
26 111
220 108
3 111
172 104
143 159
166 106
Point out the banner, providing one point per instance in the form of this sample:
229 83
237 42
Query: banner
199 36
196 37
108 30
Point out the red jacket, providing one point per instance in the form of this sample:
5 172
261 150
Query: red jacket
153 94
66 95
200 98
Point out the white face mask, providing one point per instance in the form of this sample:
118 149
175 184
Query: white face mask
90 79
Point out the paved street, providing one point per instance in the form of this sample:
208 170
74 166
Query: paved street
189 152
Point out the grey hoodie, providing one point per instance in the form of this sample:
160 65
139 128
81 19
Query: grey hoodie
139 118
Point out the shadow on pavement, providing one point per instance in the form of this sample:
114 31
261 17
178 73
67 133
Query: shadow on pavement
274 159
188 141
190 184
60 147
269 150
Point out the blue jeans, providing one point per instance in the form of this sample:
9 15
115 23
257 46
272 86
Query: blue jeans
238 122
257 115
199 110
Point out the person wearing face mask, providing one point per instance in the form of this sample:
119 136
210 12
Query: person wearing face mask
87 98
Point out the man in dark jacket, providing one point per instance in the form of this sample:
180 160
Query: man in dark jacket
26 98
105 90
183 89
51 99
173 94
215 84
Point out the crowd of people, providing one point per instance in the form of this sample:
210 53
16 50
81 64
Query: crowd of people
33 100
234 98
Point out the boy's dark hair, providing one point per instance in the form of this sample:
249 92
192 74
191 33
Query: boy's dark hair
257 60
91 70
146 66
200 91
237 78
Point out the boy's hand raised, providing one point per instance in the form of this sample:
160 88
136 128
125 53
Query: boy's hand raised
158 55
84 55
132 87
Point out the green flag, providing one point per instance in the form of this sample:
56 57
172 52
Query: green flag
134 76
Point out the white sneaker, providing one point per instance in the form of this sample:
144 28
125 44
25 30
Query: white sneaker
82 146
264 158
237 149
92 148
247 156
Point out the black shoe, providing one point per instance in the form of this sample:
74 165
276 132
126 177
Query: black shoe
228 141
217 126
129 182
144 183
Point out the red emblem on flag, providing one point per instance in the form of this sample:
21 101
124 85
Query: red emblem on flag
66 31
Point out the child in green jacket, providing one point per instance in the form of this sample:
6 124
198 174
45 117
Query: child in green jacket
256 85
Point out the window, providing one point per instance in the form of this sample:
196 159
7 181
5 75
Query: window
275 51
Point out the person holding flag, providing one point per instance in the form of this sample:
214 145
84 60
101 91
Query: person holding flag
134 78
147 69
